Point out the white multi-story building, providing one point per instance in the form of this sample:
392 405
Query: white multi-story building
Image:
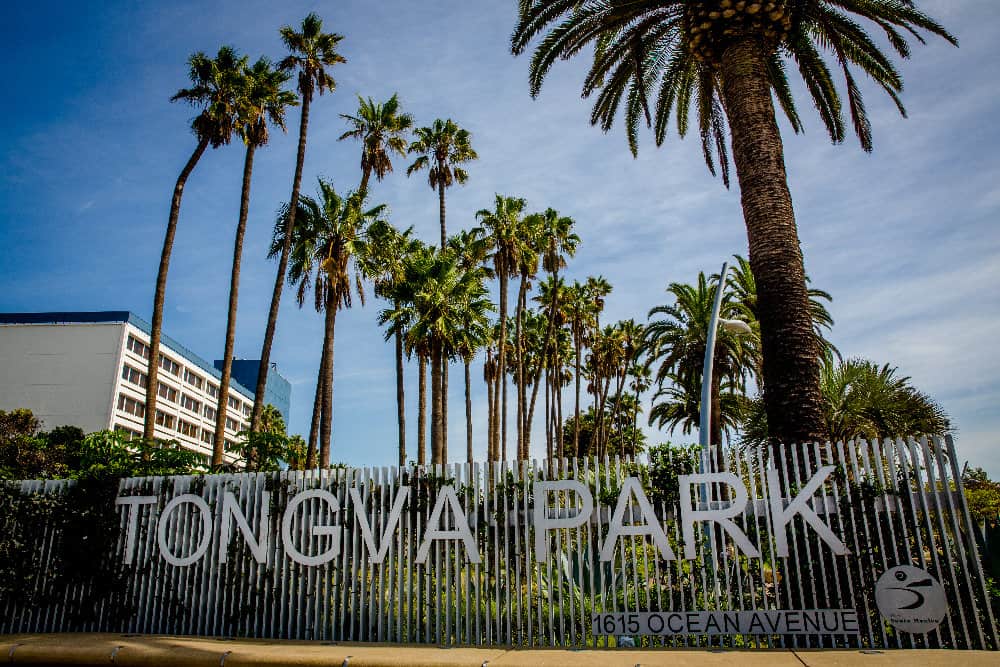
89 370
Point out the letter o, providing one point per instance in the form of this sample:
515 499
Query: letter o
659 619
333 531
206 533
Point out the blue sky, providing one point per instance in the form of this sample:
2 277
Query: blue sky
906 239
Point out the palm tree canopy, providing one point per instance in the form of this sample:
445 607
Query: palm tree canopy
311 52
380 127
504 227
675 341
657 57
440 303
263 101
331 236
441 148
216 87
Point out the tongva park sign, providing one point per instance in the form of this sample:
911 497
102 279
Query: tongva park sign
845 545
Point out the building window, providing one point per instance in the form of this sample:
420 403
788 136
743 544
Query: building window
134 376
234 403
138 347
208 437
193 380
187 428
246 410
209 412
167 392
170 366
131 406
189 403
165 420
213 391
232 424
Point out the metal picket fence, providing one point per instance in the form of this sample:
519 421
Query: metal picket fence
892 503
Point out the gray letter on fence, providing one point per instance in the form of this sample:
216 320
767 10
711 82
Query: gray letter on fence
133 503
783 516
544 523
231 510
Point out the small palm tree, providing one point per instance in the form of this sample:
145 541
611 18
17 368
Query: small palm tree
442 304
311 51
339 241
389 250
674 343
729 58
380 128
262 103
863 400
502 226
215 88
442 147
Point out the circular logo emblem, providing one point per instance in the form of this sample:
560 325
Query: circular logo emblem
911 599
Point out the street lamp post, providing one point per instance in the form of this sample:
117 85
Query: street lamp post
735 326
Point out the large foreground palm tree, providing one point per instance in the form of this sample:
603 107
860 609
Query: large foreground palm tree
655 58
262 103
311 52
215 88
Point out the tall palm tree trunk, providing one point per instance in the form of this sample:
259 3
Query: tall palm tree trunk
326 420
156 330
279 280
576 418
444 408
792 397
400 398
519 361
500 392
317 409
491 447
365 175
218 448
559 417
468 411
422 410
436 405
444 231
549 451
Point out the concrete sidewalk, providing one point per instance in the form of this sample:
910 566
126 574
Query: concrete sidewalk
149 650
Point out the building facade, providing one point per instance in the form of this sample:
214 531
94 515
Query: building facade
88 369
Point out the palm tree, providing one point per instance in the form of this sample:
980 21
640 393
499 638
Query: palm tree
502 226
471 249
311 52
529 235
675 344
215 84
380 127
863 400
385 264
578 307
302 273
262 103
340 225
442 303
677 403
729 58
441 148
